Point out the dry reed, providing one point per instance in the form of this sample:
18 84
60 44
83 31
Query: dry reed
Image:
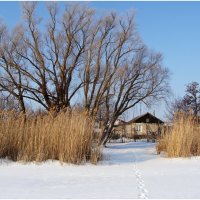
68 137
182 139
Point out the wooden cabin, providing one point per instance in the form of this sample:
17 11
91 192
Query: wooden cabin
144 126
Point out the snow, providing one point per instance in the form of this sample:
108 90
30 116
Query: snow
128 170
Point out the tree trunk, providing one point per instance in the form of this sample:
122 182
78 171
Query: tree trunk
22 105
107 132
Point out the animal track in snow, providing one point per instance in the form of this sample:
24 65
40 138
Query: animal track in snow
143 192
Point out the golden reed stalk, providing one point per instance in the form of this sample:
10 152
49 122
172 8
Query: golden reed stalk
182 139
68 137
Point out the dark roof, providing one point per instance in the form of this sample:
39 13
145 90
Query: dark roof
143 119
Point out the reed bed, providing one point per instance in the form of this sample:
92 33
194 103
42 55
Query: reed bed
68 137
182 139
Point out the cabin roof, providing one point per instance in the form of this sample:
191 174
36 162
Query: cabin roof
143 119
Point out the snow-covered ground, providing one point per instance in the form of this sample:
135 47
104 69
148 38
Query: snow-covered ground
129 170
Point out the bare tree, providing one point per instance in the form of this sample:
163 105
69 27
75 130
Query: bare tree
191 100
120 71
142 80
49 60
102 57
11 79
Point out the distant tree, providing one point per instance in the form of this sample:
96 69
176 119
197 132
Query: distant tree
190 102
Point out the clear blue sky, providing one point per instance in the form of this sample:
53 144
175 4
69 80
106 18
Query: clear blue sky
172 28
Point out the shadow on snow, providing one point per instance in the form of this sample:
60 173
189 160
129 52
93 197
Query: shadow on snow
125 153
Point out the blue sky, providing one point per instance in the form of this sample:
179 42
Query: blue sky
171 28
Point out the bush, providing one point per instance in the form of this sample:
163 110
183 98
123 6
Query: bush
183 139
68 137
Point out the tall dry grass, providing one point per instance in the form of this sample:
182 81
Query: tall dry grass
68 137
182 139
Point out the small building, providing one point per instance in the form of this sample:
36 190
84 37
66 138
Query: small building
143 126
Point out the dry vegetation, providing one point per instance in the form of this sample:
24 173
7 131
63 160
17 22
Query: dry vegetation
183 139
68 137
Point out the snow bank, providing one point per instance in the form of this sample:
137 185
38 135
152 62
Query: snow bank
129 170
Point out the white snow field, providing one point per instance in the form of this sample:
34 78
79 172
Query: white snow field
129 170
